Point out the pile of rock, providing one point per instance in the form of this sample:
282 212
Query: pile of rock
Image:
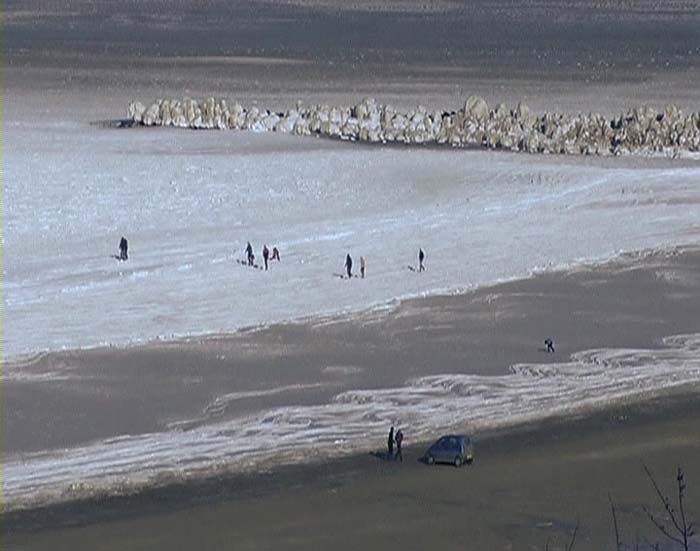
642 129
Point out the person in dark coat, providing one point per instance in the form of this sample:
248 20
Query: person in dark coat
421 259
399 440
390 444
266 255
348 265
275 254
123 249
549 343
249 254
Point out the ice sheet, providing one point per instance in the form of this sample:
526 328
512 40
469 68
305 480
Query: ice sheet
189 201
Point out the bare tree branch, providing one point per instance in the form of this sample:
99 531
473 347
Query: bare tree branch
666 502
661 528
573 537
618 545
681 494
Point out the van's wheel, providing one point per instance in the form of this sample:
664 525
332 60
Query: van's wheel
470 460
430 460
458 461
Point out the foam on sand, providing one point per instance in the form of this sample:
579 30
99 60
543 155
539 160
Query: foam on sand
642 129
353 421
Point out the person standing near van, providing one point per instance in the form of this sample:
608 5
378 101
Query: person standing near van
399 440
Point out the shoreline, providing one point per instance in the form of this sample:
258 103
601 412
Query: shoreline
385 306
226 490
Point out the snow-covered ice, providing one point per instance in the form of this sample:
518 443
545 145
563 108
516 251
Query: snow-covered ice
189 201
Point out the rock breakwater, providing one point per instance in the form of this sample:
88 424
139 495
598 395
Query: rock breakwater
638 130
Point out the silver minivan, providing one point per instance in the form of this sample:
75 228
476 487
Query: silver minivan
453 448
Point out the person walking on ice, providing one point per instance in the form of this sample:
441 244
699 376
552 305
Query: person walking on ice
123 249
348 265
363 266
249 254
266 255
421 260
275 254
390 444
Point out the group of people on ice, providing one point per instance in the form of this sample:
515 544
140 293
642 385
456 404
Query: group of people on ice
250 256
363 264
274 254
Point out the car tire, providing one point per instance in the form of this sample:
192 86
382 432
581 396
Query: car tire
458 461
430 460
469 460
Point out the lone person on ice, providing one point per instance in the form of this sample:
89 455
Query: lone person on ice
123 249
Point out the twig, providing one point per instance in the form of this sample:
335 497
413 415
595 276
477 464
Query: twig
618 545
663 498
681 493
573 537
661 528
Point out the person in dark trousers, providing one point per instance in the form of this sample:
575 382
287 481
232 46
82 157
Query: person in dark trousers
421 259
275 254
266 255
249 254
363 266
549 344
348 265
399 440
390 444
123 249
